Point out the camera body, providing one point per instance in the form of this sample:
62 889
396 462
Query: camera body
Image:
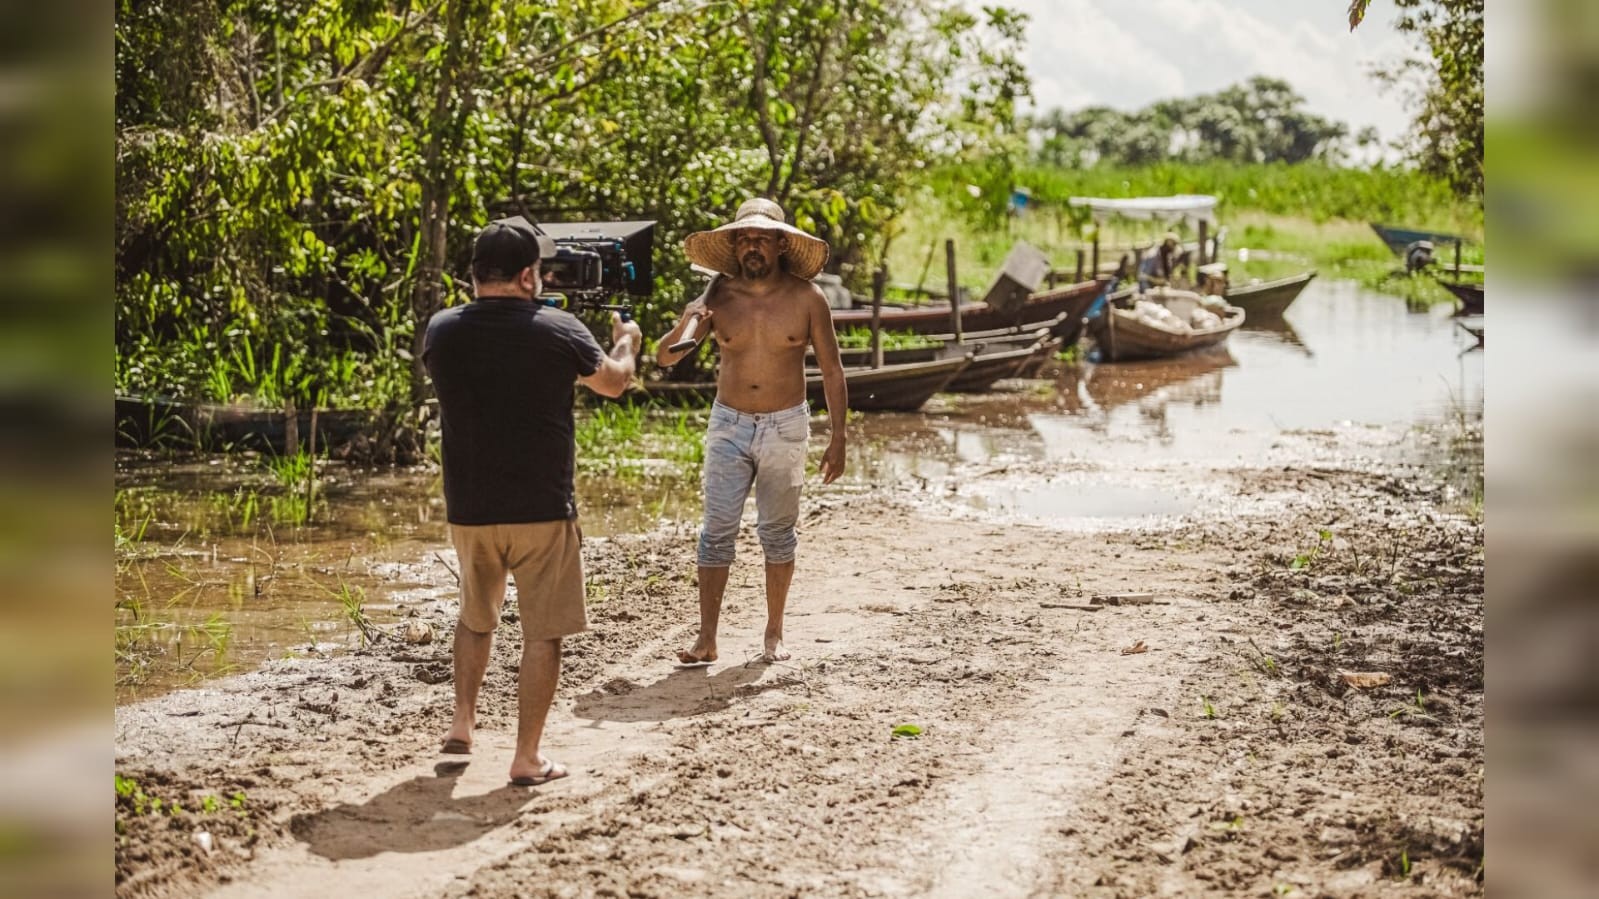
596 261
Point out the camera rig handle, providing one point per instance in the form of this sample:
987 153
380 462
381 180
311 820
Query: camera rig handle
578 304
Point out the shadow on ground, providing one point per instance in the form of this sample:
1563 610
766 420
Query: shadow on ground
417 815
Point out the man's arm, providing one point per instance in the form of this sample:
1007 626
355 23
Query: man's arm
616 368
825 342
697 309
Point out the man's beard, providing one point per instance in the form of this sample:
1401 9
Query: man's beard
754 266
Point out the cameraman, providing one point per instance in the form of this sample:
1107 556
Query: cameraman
504 366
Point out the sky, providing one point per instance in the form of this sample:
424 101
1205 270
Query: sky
1128 53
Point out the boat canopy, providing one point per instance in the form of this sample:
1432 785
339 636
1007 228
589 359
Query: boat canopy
1182 207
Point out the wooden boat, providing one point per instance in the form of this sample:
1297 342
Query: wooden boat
1398 238
892 388
1045 306
1123 335
996 354
1469 295
991 361
160 421
1268 298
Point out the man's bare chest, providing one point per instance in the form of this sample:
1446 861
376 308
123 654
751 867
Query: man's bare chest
761 330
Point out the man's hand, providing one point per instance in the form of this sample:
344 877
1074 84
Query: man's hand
698 308
833 460
630 329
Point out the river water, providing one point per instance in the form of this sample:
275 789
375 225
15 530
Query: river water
214 577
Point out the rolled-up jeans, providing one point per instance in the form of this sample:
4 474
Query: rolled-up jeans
763 450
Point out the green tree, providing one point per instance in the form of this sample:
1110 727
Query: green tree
1447 133
298 181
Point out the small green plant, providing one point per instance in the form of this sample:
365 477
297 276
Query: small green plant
1209 710
907 732
1404 862
1308 558
1414 709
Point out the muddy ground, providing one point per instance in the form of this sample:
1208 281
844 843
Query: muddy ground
1228 755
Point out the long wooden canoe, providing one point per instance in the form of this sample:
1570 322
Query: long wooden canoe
892 388
1269 298
1046 306
143 421
1123 335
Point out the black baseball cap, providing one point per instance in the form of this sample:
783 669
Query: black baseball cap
511 244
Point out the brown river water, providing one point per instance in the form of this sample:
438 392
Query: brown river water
213 578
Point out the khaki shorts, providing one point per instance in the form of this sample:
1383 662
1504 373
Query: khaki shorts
545 558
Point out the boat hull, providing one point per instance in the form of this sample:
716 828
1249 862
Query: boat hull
1123 336
1271 298
1039 308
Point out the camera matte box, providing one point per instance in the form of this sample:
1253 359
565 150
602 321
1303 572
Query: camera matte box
637 240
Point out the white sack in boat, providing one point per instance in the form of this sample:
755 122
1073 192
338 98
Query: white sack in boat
1203 319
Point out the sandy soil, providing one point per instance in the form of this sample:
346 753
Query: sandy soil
1228 757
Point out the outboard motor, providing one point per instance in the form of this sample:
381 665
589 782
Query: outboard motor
1418 256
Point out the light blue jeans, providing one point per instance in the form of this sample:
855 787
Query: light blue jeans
763 450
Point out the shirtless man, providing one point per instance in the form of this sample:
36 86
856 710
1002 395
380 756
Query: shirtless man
764 312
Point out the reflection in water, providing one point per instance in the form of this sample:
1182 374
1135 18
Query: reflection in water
1276 327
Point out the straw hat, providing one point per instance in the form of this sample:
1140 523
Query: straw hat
714 249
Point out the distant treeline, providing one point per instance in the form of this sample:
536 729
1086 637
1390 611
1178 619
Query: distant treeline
1261 120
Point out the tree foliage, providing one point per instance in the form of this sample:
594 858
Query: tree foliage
1260 120
1447 133
299 180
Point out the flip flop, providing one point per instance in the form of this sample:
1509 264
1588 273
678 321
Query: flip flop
551 772
455 746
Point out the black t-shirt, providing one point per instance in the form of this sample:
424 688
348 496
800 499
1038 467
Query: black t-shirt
504 370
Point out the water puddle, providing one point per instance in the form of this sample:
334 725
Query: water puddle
1094 500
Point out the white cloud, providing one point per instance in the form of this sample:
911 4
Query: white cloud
1128 53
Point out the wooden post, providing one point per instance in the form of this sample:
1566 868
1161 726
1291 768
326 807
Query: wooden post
954 290
1094 271
1204 235
1077 278
1457 259
879 281
1051 278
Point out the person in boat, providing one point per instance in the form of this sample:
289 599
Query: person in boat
504 366
1160 264
764 311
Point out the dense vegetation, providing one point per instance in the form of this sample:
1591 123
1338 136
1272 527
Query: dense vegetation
298 181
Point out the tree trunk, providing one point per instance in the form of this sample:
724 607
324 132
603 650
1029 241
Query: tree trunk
436 182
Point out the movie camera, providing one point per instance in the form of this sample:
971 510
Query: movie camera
595 262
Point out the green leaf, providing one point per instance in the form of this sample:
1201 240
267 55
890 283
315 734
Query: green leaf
907 732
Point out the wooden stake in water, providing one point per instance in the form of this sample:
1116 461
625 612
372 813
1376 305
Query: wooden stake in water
879 281
954 289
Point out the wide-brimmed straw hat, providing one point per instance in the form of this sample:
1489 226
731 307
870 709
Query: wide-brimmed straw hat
714 249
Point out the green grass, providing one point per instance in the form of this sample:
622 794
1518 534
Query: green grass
1290 218
857 338
632 440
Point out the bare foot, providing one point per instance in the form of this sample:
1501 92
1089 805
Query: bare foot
533 776
699 655
458 741
774 651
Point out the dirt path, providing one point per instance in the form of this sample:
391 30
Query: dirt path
1228 757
